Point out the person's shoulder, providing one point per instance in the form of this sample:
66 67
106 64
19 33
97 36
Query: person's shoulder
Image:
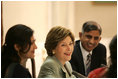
20 68
50 66
15 70
100 45
100 48
14 66
10 70
50 62
21 72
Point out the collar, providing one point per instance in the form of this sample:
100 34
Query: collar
62 67
84 52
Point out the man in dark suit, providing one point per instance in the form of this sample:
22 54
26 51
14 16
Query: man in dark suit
88 44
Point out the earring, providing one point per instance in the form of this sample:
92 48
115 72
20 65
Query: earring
53 52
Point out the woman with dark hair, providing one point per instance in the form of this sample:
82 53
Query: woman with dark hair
18 47
111 71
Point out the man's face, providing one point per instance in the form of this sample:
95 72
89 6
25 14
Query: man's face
90 39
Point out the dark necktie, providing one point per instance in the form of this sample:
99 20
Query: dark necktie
88 62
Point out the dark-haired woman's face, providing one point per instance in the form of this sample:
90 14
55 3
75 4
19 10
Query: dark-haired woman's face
30 53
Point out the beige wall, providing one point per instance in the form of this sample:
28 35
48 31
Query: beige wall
31 13
42 15
103 13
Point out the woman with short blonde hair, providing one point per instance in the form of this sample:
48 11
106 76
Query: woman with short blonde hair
59 45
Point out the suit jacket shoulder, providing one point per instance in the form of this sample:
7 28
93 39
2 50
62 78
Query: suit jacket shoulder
99 56
51 68
100 46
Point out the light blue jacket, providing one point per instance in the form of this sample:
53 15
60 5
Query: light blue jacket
52 68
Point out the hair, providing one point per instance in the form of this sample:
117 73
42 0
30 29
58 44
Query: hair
18 34
112 71
55 35
90 26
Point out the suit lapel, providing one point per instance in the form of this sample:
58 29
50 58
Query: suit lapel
80 57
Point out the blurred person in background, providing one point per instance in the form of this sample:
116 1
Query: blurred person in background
111 71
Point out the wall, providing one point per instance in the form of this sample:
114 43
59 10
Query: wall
103 13
71 14
31 13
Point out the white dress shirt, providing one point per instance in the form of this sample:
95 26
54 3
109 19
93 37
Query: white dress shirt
84 54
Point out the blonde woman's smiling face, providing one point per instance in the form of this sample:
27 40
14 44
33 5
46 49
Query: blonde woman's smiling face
64 49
